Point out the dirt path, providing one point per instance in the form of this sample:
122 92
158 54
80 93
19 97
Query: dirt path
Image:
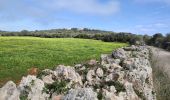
162 60
161 73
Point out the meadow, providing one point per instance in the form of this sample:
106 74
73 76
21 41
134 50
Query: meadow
18 54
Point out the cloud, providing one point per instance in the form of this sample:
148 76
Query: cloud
153 1
151 28
37 7
52 11
84 6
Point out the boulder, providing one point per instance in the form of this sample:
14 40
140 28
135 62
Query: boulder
32 87
68 73
119 54
9 92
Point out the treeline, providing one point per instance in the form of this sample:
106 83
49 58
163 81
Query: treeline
159 40
85 33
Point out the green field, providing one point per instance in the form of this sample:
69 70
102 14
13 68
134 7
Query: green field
17 54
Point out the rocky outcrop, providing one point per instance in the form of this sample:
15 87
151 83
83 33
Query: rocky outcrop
126 74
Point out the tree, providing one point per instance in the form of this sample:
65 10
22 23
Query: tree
74 29
157 40
24 33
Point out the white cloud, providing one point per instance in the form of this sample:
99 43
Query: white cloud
160 25
152 1
48 9
151 28
154 25
84 6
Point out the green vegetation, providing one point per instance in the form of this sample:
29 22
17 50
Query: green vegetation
159 40
18 54
119 87
85 33
58 87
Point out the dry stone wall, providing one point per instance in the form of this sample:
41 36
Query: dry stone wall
126 74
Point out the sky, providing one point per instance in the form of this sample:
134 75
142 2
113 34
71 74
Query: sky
135 16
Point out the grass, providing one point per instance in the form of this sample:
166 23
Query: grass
17 54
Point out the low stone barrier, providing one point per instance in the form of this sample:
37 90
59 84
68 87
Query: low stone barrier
126 74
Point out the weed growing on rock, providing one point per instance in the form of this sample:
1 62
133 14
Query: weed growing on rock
100 95
24 94
58 87
40 74
119 87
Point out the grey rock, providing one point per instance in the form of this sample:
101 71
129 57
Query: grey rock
48 79
9 92
68 73
33 88
112 89
99 72
89 76
119 54
81 94
92 62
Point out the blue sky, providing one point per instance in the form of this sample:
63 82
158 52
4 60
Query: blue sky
136 16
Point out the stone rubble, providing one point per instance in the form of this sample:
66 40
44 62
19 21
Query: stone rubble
126 74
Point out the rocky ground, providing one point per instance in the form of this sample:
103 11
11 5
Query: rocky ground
126 74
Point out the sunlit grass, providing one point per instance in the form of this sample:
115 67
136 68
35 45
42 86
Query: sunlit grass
17 54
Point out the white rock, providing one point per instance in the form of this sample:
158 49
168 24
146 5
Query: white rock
48 79
90 75
92 62
81 94
111 95
68 73
112 89
34 87
119 54
131 95
9 92
99 72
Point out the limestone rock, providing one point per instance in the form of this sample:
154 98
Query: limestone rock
99 72
81 94
68 73
90 75
9 92
92 62
32 87
48 79
119 54
57 97
111 95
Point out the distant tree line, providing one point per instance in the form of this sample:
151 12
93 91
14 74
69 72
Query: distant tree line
85 33
157 39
